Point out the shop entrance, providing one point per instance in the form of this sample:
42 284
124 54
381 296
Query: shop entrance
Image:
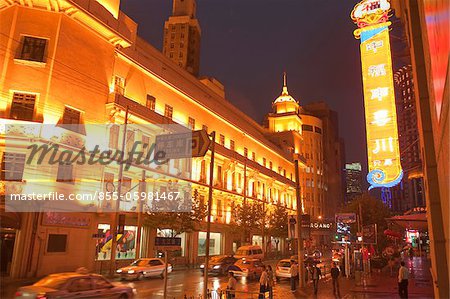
7 239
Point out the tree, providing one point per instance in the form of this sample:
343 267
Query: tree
178 222
373 211
278 226
247 217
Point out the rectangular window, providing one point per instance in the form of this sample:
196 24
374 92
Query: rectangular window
114 137
214 243
264 162
191 123
318 130
232 145
13 165
219 176
270 165
219 208
33 49
245 152
168 111
151 102
57 243
221 139
253 156
126 184
22 106
307 128
71 116
65 173
119 85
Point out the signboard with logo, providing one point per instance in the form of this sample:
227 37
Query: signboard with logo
345 218
167 243
369 234
371 16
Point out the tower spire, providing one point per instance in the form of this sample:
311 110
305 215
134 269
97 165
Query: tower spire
285 90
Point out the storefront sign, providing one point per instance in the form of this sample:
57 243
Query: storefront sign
66 219
321 225
345 218
385 169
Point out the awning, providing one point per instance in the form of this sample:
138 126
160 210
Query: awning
412 221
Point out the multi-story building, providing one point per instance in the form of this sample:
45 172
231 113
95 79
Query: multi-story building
353 178
81 62
182 36
311 131
427 29
409 193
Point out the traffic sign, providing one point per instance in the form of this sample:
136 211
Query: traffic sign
200 143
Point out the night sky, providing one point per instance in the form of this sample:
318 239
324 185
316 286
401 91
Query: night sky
247 44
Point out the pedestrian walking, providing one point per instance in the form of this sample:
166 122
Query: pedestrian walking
316 273
335 279
294 275
231 286
403 276
270 279
263 283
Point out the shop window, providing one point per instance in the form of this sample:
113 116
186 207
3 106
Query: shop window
166 232
22 106
125 244
57 243
33 49
13 165
214 244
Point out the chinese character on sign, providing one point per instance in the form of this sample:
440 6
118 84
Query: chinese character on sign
382 144
377 70
379 93
373 46
381 117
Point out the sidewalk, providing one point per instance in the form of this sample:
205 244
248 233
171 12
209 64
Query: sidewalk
419 286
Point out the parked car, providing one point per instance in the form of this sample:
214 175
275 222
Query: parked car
219 264
144 267
250 268
249 252
283 269
75 285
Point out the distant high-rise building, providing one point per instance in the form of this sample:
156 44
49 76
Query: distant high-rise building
353 178
409 193
182 36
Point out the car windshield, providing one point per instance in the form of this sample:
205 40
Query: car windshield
139 263
242 252
284 264
52 282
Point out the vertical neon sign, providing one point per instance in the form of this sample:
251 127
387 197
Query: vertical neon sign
371 16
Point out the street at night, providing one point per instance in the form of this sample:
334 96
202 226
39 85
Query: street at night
198 149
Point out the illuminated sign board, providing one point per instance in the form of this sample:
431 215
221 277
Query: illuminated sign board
385 169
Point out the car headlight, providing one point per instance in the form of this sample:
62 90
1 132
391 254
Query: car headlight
202 266
119 271
216 267
130 271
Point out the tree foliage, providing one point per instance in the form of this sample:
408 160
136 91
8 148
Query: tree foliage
278 219
373 211
247 217
178 222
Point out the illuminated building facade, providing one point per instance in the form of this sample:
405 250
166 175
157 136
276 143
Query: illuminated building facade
427 29
182 36
409 193
84 61
371 16
353 178
311 131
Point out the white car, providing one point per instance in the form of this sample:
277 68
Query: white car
144 267
283 269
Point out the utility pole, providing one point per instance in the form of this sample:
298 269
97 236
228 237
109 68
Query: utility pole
142 189
301 266
208 222
112 267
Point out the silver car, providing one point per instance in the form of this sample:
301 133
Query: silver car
74 285
144 267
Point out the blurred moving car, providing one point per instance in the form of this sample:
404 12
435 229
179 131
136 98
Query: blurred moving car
219 264
250 268
144 267
283 269
250 252
75 285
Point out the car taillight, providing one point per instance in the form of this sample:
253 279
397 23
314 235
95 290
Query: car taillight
18 294
41 296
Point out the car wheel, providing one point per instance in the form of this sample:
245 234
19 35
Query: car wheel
123 296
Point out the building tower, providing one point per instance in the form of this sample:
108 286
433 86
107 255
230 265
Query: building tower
182 36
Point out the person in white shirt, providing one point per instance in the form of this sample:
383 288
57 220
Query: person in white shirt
231 286
403 276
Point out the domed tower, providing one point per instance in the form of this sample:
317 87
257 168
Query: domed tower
286 112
